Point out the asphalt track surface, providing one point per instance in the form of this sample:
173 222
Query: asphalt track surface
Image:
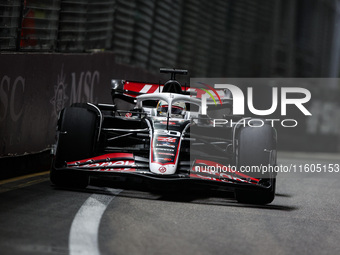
37 218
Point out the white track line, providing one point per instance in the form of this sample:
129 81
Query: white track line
83 238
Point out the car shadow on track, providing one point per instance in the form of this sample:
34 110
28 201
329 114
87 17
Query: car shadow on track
283 195
177 194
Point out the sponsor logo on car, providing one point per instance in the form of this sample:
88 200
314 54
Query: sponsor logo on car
163 149
106 166
165 153
166 145
166 139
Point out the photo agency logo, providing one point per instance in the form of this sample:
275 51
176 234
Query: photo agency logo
205 94
295 96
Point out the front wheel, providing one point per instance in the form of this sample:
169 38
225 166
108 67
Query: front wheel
76 140
261 197
257 148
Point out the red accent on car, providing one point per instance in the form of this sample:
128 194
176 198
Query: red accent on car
167 139
152 159
105 156
143 88
126 160
170 123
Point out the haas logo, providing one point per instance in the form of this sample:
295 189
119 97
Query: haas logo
162 169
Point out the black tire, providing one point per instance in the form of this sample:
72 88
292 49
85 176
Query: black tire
259 197
77 126
254 146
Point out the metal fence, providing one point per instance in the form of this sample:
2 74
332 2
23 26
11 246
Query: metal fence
211 38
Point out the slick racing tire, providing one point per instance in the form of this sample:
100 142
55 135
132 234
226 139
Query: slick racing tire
259 197
257 147
77 130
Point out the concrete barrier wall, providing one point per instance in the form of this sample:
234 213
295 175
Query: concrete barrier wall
35 87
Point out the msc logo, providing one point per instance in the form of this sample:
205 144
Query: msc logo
239 100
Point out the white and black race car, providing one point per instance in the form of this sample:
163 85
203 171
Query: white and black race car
163 137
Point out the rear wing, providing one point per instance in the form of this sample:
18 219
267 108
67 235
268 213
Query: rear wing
129 90
133 89
173 72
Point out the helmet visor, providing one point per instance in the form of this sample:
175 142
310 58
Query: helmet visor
176 110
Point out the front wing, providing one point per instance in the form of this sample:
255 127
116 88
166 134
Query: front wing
131 166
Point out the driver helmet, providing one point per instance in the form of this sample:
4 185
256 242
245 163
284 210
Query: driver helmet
178 109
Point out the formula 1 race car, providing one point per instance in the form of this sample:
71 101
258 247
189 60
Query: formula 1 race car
158 132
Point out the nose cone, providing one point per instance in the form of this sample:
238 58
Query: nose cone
162 169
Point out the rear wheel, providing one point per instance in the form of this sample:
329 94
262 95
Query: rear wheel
256 148
77 130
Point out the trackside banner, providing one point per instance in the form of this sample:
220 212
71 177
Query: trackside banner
34 88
